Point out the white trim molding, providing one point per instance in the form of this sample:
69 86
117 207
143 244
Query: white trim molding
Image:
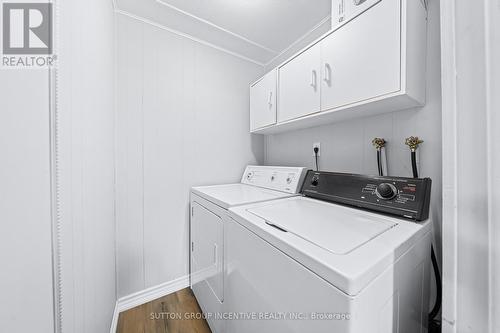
161 26
304 39
470 79
197 18
150 294
147 295
450 163
114 322
492 45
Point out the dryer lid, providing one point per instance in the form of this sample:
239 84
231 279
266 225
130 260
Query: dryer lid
331 227
231 195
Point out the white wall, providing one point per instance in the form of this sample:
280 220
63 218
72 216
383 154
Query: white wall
182 120
471 162
493 104
346 146
25 222
316 32
86 164
85 124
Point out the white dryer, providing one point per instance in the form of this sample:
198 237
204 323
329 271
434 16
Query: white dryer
352 255
209 206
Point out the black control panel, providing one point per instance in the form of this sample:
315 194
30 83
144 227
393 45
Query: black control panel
404 197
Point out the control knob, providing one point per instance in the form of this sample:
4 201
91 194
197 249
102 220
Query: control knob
386 191
315 181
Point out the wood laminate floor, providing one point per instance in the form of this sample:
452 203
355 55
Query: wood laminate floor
175 313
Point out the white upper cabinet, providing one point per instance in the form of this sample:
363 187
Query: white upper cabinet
373 62
263 102
343 11
362 60
299 85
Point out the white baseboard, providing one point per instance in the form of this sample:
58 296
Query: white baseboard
147 295
114 321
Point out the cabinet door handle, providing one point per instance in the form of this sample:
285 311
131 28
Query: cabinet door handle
313 79
270 99
328 73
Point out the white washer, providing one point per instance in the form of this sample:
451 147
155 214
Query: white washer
318 263
209 206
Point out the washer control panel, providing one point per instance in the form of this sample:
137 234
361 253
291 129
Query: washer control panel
284 179
405 197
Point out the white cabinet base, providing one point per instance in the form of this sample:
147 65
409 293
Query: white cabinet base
387 103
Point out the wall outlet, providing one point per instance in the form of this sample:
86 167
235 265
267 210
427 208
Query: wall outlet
316 145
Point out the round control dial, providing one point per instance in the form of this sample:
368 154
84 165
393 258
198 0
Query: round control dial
386 191
315 181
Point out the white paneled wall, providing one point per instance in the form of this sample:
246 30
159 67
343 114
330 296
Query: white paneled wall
346 146
85 130
182 120
26 301
85 180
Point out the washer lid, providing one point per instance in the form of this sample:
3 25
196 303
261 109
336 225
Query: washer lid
327 226
350 271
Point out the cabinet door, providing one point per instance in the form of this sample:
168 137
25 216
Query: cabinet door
299 91
362 59
263 102
206 251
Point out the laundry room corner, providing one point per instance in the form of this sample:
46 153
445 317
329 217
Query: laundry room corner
347 146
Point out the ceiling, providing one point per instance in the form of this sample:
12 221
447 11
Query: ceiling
255 29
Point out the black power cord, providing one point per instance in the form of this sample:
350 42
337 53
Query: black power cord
379 162
316 151
414 163
434 325
439 288
379 144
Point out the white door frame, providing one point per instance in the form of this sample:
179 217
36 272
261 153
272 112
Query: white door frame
470 49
